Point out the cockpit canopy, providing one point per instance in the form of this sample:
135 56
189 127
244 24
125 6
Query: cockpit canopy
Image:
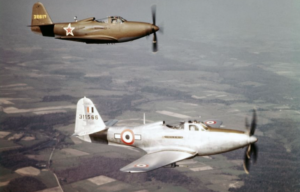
112 19
190 125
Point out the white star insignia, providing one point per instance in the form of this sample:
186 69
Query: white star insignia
69 30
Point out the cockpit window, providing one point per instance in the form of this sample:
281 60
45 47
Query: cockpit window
181 126
104 20
122 19
114 20
204 125
193 128
117 19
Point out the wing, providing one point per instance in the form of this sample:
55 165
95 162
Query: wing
90 38
156 160
213 123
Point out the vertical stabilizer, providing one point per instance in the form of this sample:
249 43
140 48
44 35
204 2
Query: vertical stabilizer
40 21
40 15
88 120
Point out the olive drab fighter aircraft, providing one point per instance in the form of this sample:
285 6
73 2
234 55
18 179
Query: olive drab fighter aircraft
165 145
110 30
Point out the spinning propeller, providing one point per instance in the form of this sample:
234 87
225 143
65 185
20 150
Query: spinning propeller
252 150
154 29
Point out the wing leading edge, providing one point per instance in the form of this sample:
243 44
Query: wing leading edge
156 160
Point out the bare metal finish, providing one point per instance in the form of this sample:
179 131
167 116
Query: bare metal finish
164 144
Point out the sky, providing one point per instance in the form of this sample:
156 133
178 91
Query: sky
194 20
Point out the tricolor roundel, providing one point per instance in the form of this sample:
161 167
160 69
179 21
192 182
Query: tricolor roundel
210 122
127 137
141 165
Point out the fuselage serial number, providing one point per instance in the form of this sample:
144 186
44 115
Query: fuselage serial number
88 116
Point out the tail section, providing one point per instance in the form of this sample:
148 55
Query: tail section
88 120
40 15
40 20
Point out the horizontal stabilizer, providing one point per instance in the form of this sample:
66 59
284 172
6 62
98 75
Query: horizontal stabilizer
111 122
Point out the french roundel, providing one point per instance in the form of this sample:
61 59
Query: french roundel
210 122
127 137
141 165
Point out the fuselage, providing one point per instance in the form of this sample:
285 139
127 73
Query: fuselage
108 30
192 138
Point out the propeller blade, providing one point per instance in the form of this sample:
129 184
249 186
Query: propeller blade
154 43
153 8
255 152
253 123
246 162
247 124
251 153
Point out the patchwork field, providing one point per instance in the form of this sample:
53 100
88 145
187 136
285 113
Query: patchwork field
3 134
100 180
74 152
44 110
31 171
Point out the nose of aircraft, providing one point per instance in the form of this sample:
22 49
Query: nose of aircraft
150 28
252 139
155 28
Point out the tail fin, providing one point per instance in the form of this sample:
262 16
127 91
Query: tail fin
40 21
88 120
40 15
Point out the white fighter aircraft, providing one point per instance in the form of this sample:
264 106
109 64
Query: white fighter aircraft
164 145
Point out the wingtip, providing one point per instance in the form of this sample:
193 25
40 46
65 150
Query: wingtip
124 170
130 171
